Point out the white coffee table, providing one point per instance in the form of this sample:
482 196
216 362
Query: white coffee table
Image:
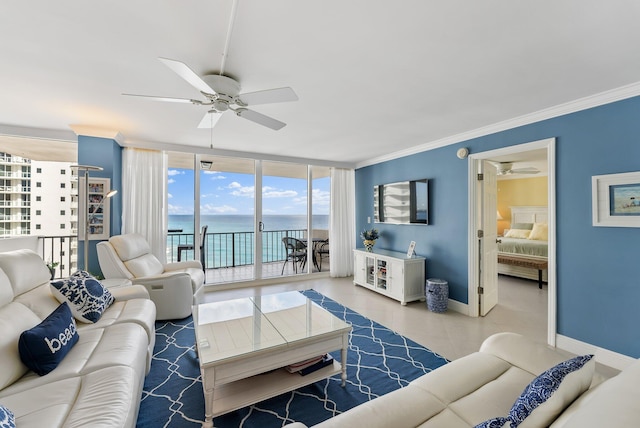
244 343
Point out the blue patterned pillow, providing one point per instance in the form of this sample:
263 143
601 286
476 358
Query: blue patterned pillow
548 394
45 345
493 423
7 420
87 298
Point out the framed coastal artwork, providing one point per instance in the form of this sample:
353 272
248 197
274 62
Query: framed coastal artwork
616 200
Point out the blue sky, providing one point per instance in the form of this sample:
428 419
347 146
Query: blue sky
233 193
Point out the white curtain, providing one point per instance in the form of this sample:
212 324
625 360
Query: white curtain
144 201
342 235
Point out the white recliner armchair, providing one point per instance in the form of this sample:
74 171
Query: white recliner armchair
173 287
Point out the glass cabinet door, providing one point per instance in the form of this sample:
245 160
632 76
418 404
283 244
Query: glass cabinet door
370 266
382 274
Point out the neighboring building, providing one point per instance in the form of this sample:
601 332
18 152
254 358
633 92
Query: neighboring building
54 205
41 198
15 195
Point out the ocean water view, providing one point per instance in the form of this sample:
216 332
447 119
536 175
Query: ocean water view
244 223
230 238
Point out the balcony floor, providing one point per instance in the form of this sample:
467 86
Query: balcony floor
245 273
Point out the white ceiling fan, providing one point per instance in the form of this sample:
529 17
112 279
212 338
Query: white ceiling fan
222 93
506 168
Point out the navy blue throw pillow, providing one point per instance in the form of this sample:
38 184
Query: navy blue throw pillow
7 420
44 346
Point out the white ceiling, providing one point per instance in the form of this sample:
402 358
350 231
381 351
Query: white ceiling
374 77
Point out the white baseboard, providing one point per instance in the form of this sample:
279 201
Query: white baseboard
603 356
456 306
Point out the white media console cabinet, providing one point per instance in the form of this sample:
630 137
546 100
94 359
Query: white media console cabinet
390 273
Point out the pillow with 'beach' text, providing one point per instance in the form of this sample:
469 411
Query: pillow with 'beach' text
44 346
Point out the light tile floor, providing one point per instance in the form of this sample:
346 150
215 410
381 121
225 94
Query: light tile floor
522 308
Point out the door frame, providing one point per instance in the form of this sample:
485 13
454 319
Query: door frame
473 256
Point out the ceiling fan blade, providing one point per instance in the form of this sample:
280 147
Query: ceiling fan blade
279 95
210 119
183 70
260 119
166 99
528 170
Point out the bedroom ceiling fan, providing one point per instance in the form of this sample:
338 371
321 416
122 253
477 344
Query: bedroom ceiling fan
506 168
222 93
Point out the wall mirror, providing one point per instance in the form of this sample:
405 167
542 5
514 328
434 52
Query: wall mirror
404 202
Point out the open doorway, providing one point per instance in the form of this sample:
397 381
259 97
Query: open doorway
519 160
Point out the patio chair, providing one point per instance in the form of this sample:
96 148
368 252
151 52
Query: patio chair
173 287
203 237
321 252
296 252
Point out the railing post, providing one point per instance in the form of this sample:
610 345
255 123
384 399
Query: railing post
233 249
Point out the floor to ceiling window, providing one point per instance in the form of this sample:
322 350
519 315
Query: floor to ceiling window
181 220
227 201
284 219
38 196
320 205
244 228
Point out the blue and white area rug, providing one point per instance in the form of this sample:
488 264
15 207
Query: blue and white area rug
378 361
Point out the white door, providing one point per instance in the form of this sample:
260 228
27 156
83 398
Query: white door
488 192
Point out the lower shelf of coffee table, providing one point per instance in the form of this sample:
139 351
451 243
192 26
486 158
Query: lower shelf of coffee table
242 393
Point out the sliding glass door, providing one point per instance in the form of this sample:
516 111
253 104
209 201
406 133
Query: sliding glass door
246 233
227 213
180 212
320 205
284 219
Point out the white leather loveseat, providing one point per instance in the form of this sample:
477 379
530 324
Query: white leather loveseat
99 381
485 385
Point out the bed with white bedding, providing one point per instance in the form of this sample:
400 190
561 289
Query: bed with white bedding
526 237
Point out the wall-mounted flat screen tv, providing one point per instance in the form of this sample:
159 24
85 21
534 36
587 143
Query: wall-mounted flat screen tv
403 202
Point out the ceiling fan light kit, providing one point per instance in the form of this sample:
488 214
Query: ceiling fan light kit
506 168
222 93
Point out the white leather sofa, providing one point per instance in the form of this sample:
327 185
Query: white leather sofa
485 385
99 381
173 287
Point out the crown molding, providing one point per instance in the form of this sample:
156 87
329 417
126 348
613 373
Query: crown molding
183 148
38 133
93 131
580 104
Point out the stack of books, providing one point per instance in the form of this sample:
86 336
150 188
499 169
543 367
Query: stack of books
310 365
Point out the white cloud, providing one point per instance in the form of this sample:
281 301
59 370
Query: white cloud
213 209
172 172
271 192
217 175
177 210
320 197
169 196
239 190
171 181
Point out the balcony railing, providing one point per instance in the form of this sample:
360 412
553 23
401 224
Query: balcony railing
14 159
222 250
233 249
61 249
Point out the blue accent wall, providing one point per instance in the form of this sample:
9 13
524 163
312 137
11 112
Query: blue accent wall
105 153
598 284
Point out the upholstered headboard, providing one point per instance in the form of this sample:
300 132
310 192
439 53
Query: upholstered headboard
529 215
